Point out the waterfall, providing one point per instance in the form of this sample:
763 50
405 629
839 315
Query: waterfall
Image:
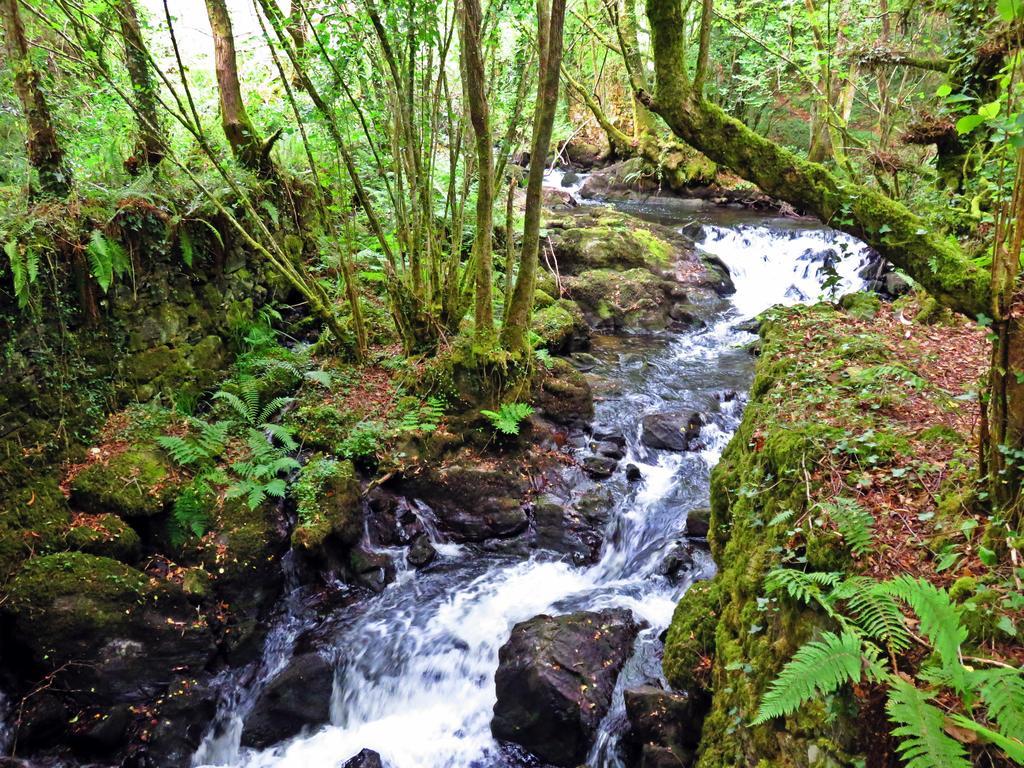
417 662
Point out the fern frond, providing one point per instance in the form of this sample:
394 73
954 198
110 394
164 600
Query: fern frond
323 378
940 620
875 611
182 450
818 668
213 438
271 408
284 435
276 488
856 525
923 740
236 403
1002 690
806 587
250 393
1013 747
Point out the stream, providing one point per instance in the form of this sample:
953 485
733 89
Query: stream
415 664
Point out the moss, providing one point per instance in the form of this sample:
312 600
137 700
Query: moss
635 298
136 483
327 503
691 636
659 252
107 536
559 326
69 595
542 299
863 306
33 520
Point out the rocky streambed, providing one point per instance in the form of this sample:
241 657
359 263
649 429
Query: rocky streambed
494 604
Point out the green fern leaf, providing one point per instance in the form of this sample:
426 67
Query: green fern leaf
875 611
323 378
1002 690
284 435
818 668
920 727
940 621
1013 748
273 407
806 587
237 404
855 524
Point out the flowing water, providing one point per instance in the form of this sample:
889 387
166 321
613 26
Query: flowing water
416 664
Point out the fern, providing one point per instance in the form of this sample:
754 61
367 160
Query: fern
875 611
24 265
940 621
107 259
284 435
323 378
1013 747
802 586
855 524
920 726
1002 690
508 417
271 409
191 515
818 668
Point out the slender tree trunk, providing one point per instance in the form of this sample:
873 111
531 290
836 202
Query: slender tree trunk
246 145
479 115
550 22
44 151
150 150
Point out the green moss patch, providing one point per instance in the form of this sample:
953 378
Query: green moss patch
138 482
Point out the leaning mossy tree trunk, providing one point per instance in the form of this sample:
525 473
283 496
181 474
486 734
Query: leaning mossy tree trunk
550 23
933 259
44 150
150 150
246 145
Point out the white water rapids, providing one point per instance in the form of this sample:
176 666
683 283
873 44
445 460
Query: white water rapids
416 664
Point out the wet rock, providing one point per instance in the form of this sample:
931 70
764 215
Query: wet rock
298 697
183 716
421 552
555 680
330 512
472 503
595 505
392 521
686 315
371 568
563 395
584 361
557 529
104 733
571 179
633 473
694 229
753 325
698 522
677 561
609 449
600 467
718 277
671 431
896 284
43 722
582 154
664 727
610 436
367 758
116 634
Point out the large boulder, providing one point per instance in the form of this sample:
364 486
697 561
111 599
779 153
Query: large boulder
473 503
555 679
180 720
563 395
561 327
115 634
298 697
139 482
671 431
664 727
329 511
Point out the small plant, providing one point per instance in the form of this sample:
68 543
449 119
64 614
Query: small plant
363 441
191 515
509 416
423 417
107 259
855 524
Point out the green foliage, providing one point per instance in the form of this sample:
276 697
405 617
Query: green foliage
920 727
509 416
24 264
874 611
206 443
107 259
191 514
363 441
819 667
259 475
855 524
940 618
422 417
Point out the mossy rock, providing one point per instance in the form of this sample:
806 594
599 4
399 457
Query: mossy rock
34 519
863 306
635 298
691 635
563 395
139 482
328 506
561 327
608 240
107 536
124 631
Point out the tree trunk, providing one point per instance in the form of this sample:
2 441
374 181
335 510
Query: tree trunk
479 114
44 151
245 143
550 22
931 258
150 150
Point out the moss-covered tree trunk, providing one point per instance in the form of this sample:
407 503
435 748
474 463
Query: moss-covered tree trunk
470 18
245 142
550 23
150 150
933 259
44 150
